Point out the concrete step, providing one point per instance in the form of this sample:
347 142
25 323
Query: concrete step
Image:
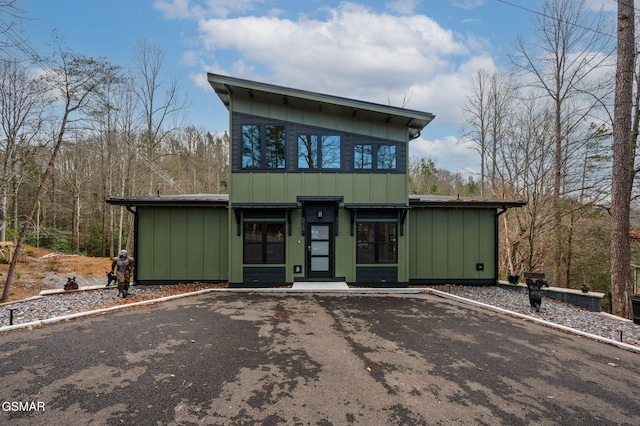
320 286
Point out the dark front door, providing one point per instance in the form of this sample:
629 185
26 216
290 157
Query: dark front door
319 250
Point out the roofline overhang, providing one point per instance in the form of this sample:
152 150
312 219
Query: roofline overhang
168 201
455 203
226 87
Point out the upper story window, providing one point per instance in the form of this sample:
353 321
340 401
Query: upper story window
319 151
263 146
374 156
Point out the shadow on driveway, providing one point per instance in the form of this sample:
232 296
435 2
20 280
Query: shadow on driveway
249 358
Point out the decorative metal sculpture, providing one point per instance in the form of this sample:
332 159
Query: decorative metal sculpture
535 293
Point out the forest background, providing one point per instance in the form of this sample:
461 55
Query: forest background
78 130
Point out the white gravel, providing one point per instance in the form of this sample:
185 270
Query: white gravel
597 323
57 305
578 318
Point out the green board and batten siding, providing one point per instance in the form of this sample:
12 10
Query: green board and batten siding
199 237
285 187
448 243
182 244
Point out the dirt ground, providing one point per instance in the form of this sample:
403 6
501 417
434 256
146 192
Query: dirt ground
39 269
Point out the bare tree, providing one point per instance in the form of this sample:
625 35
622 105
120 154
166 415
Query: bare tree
563 63
476 127
10 16
622 163
76 79
23 100
160 101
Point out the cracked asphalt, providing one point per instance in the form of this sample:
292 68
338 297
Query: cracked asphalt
313 359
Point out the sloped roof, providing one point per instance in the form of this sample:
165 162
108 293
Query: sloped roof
226 87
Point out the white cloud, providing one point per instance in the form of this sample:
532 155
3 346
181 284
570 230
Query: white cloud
183 9
355 52
468 4
447 153
403 7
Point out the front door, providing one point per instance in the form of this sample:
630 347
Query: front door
319 250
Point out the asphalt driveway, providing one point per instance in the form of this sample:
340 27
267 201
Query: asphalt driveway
319 359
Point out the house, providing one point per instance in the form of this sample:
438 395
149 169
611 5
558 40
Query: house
318 191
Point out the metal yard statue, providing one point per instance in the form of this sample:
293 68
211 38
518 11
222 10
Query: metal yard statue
123 267
535 291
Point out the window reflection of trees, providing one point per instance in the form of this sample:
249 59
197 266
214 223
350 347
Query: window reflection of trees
363 156
263 146
316 151
275 147
251 152
307 151
386 157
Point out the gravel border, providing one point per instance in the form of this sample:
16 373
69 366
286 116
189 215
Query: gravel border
48 308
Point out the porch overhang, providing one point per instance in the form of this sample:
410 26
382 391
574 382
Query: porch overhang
402 210
238 208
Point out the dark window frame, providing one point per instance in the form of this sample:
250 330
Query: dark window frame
374 160
265 247
263 153
320 151
376 246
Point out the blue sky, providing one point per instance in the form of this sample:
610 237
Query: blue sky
423 54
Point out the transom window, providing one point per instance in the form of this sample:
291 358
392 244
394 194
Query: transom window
319 151
377 242
263 146
263 242
374 156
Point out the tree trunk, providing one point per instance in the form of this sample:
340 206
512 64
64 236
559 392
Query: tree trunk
622 161
34 206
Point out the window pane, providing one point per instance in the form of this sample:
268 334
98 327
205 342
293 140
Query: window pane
362 156
377 242
320 264
387 232
387 243
387 253
274 147
275 243
331 152
365 251
307 151
250 146
275 253
275 233
319 232
319 248
252 232
252 253
366 232
386 157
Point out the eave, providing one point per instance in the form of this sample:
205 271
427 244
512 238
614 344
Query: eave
228 87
